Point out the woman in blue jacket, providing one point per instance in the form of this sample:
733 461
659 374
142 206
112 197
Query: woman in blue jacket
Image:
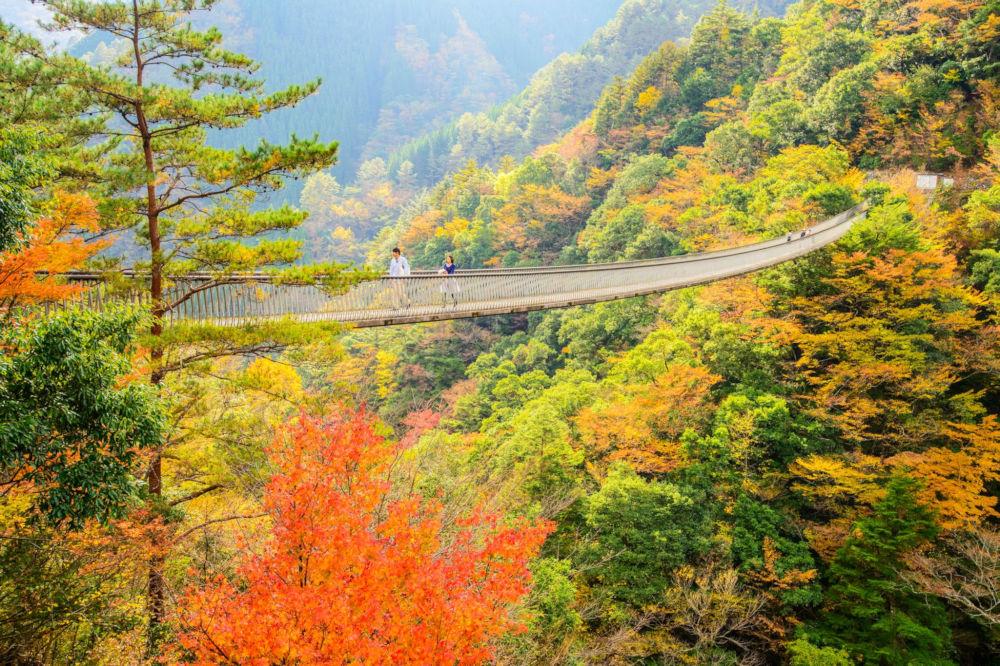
450 285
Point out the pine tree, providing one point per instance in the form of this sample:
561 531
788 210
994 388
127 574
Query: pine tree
190 206
406 177
20 171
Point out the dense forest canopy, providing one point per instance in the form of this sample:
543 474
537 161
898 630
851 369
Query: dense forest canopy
799 466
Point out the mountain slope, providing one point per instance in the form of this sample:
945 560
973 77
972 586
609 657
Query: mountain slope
382 59
418 63
798 466
560 94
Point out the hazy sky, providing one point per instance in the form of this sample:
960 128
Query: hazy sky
21 13
25 15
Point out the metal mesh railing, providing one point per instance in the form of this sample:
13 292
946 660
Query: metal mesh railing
427 296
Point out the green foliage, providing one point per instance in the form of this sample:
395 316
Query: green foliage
814 379
21 170
719 56
869 611
755 522
689 131
190 206
831 198
67 426
546 107
642 531
732 147
552 598
603 328
985 271
836 112
804 653
764 415
617 230
528 444
58 600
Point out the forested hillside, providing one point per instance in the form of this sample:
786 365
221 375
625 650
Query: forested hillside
395 68
799 466
560 94
344 215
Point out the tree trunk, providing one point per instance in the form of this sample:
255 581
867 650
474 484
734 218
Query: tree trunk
154 477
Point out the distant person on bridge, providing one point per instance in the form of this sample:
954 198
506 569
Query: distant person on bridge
450 286
399 267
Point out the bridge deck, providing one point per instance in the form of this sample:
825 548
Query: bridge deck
425 296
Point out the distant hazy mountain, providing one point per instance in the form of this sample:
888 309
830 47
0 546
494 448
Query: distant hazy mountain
390 68
560 95
393 68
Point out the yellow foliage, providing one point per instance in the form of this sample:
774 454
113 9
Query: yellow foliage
954 482
642 424
385 372
452 229
648 99
836 482
599 179
342 235
422 227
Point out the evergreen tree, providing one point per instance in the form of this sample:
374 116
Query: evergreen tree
871 611
189 205
406 176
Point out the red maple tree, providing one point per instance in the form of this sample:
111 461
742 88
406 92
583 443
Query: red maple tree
354 572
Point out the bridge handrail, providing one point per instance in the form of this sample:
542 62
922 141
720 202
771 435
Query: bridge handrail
840 218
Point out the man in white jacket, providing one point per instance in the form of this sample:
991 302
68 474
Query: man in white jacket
399 267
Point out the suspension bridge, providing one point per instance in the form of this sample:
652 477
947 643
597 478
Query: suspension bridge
427 296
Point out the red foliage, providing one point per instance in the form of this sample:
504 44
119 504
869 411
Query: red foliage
419 423
354 573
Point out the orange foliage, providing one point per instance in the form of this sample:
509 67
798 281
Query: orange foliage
48 249
687 188
724 109
355 573
845 486
643 425
954 482
769 576
883 349
741 300
580 143
539 217
942 17
422 227
923 133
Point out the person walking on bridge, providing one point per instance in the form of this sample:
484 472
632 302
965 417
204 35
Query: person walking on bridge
450 285
399 267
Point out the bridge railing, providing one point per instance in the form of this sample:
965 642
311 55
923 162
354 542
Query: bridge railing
428 296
